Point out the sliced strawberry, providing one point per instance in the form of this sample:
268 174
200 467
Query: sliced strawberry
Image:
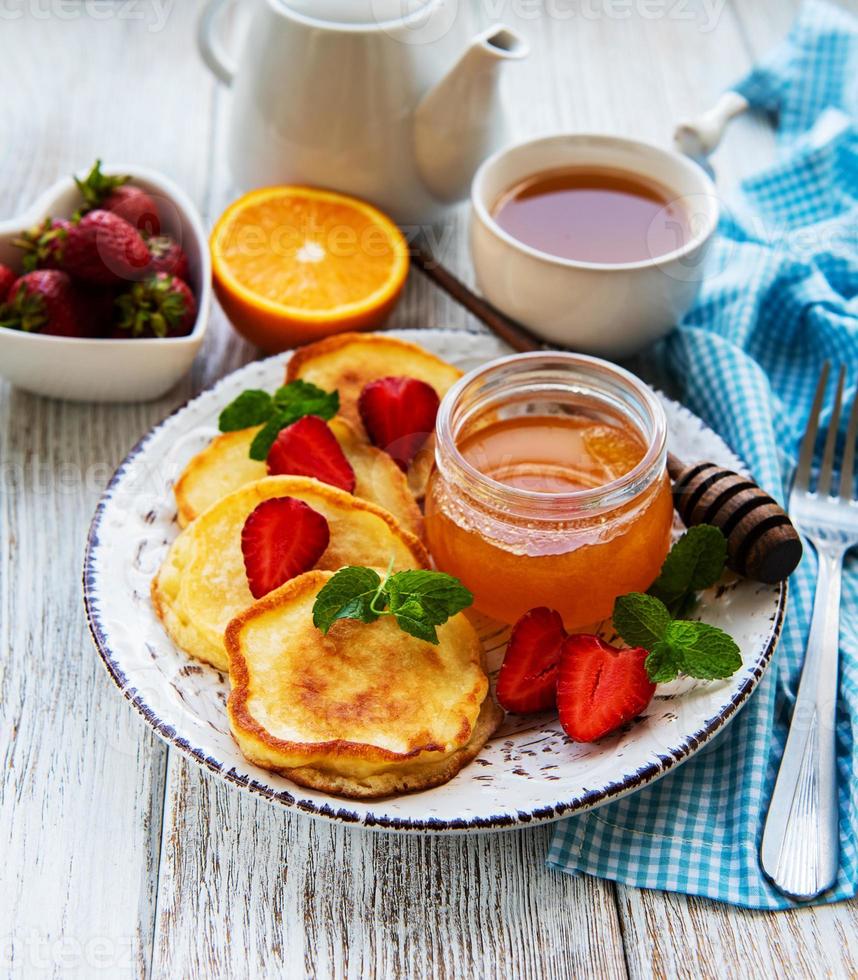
399 416
528 675
282 538
309 448
600 687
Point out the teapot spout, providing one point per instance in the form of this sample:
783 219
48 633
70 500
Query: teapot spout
460 121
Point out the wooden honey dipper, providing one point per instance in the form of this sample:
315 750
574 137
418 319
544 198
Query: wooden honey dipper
762 543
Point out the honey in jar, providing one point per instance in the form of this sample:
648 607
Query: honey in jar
550 487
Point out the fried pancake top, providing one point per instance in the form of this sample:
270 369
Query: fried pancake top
202 583
224 466
365 697
349 361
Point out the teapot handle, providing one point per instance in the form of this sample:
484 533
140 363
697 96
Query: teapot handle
211 49
699 137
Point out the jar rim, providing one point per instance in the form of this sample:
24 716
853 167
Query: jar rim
607 495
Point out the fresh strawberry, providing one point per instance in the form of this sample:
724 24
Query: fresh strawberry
600 687
103 248
115 194
135 206
528 676
43 244
99 248
45 302
283 537
399 416
7 278
309 448
166 255
159 306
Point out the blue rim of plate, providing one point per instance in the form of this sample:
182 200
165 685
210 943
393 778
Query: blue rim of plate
341 814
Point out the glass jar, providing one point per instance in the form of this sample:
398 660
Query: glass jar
574 550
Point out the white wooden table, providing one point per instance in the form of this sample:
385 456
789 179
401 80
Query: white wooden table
120 858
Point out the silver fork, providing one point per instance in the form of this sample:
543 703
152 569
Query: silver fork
800 849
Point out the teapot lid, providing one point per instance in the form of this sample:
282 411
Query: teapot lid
357 11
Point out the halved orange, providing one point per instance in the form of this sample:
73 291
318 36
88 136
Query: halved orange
293 264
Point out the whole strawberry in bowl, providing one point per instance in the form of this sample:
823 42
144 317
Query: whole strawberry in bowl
105 287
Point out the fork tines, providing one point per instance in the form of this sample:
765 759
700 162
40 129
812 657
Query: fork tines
808 443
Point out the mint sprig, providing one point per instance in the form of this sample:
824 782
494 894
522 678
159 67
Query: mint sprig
696 561
274 412
651 620
641 620
419 600
676 646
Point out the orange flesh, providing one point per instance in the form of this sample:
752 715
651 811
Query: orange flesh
307 253
577 567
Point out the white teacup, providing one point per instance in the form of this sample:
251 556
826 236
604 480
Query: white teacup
609 309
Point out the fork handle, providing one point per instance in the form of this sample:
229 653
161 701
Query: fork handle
800 849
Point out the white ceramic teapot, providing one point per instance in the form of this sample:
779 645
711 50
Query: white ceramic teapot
357 95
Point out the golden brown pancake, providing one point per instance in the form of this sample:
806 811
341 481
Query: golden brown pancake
202 583
224 465
365 711
347 362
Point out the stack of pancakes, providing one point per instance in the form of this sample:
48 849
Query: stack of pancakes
366 710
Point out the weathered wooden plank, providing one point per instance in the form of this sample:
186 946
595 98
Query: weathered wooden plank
669 935
81 788
248 890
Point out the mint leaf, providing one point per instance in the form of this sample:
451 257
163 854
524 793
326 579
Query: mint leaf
417 626
418 599
264 439
252 407
641 620
437 594
421 600
349 594
695 562
299 398
704 651
662 664
289 403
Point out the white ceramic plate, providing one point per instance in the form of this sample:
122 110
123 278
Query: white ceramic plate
530 772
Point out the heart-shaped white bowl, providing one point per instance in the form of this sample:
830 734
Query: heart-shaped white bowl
100 369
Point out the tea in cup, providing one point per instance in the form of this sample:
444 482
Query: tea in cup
593 242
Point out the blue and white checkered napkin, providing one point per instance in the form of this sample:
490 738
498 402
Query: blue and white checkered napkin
782 299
